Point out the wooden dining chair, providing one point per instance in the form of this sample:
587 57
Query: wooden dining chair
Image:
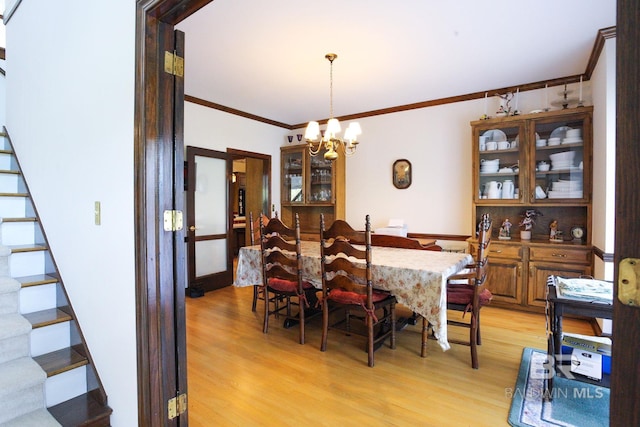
466 292
254 239
392 241
347 284
282 271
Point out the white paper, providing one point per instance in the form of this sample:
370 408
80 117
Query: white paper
586 363
396 222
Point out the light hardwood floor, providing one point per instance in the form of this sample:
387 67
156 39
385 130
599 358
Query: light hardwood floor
238 376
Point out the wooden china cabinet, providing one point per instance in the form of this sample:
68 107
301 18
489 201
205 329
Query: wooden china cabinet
311 185
540 161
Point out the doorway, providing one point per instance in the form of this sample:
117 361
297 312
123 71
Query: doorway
250 193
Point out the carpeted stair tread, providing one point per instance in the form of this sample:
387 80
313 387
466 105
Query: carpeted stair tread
82 410
5 250
8 284
13 324
19 374
38 418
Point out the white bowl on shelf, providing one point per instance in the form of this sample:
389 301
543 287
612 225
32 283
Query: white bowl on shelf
563 156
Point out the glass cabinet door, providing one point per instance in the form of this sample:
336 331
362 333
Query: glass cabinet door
320 179
292 179
499 157
559 161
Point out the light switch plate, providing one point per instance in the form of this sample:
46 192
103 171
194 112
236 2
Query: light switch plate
96 211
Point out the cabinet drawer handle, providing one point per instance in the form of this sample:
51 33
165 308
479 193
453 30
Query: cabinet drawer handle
559 255
496 251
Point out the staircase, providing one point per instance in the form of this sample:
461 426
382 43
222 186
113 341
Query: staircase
47 376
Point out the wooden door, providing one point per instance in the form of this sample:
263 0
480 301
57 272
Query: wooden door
504 280
254 192
625 375
209 248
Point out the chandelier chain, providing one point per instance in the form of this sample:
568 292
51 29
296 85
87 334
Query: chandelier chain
331 89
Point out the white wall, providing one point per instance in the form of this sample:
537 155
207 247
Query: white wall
70 110
604 150
216 130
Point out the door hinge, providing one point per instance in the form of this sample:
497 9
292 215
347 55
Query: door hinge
173 64
172 220
177 406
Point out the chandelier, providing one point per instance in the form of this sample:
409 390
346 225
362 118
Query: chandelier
330 139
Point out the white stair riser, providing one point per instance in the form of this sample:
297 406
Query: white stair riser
18 233
26 263
37 298
67 385
5 160
50 338
8 183
12 207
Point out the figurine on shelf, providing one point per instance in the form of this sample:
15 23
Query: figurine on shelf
555 235
505 230
527 222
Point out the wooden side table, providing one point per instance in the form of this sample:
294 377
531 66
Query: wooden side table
556 308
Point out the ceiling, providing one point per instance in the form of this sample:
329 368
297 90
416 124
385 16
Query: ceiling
267 58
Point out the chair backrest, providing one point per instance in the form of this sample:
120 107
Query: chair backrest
338 272
484 239
281 251
391 241
254 227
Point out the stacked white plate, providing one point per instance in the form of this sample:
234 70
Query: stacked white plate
566 189
489 166
563 160
573 136
552 194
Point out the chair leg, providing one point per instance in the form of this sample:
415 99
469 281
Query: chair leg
473 341
425 337
393 327
370 350
265 327
301 319
325 325
479 340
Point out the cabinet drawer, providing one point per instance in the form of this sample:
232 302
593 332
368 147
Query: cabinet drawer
504 251
582 256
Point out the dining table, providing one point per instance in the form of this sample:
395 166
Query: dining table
417 278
